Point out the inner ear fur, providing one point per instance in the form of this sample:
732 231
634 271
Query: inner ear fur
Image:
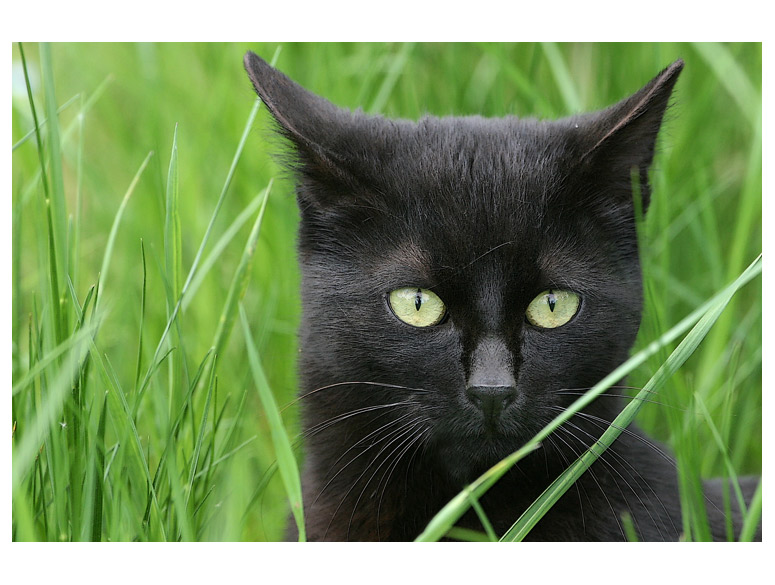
622 138
318 130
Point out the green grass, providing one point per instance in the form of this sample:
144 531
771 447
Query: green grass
155 289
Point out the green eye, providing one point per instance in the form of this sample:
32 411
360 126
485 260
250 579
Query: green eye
552 308
417 306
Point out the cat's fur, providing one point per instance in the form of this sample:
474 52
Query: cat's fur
487 213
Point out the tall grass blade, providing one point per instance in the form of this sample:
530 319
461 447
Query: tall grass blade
53 355
97 518
286 461
32 132
239 283
200 438
563 78
172 235
751 520
142 318
733 78
202 245
722 447
118 395
108 255
52 245
174 429
220 246
396 67
57 185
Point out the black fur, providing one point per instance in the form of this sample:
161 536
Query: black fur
487 213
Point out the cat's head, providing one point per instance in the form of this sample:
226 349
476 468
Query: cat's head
474 273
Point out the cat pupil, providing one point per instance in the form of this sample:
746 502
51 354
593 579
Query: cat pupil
552 300
418 299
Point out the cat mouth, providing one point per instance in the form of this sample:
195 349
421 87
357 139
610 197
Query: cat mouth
489 437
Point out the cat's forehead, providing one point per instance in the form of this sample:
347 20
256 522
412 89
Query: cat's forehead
474 175
448 194
430 245
487 150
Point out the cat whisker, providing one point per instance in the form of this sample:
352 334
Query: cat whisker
415 442
352 383
391 437
376 442
602 423
577 453
627 465
370 437
578 486
582 391
614 386
315 429
625 396
403 440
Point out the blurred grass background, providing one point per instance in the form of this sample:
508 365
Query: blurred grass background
97 451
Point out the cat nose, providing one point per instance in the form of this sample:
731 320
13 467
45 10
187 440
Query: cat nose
491 400
491 386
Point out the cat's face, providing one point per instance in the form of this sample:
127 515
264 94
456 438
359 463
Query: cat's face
463 278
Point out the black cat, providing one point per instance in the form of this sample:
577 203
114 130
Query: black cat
463 279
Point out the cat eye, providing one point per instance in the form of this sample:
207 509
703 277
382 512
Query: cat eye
552 308
416 306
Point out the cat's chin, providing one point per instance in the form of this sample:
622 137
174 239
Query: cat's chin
465 460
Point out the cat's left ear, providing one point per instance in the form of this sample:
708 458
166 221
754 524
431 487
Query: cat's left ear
624 135
321 133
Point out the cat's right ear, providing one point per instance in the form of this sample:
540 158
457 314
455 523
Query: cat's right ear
623 136
317 128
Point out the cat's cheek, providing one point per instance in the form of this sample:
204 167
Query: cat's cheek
430 356
551 359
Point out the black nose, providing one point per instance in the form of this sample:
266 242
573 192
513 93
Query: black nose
491 400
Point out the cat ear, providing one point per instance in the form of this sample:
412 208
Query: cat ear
317 128
623 136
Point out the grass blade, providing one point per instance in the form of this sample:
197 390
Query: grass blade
286 461
118 393
733 78
32 132
106 258
721 444
172 236
56 177
97 519
753 516
396 68
220 246
239 283
52 242
142 318
200 438
563 78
